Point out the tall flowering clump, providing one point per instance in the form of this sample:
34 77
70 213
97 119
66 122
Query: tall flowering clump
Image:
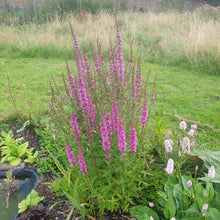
103 116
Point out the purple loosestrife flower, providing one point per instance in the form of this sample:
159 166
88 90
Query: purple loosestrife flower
82 163
120 56
186 145
75 127
144 115
76 44
70 155
133 140
98 63
168 146
183 125
92 113
115 116
105 138
189 183
170 166
211 172
139 82
112 66
73 88
179 154
108 121
82 93
121 139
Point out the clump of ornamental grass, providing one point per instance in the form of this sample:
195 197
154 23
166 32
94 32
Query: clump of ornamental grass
99 119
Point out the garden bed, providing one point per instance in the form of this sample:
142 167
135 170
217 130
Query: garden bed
61 210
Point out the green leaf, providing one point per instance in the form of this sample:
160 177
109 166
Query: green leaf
24 145
22 206
171 205
15 162
143 213
210 158
12 149
213 213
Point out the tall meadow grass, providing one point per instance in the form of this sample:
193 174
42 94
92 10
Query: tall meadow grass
187 39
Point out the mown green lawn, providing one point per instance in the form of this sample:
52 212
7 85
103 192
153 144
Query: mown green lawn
193 96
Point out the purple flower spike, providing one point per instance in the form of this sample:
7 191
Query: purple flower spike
82 163
170 166
120 56
211 172
75 127
144 115
105 138
121 139
183 125
133 140
70 155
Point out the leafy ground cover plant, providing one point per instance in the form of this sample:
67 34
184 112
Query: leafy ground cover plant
99 119
32 199
13 151
184 196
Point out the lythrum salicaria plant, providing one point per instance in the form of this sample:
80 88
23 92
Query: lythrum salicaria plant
99 118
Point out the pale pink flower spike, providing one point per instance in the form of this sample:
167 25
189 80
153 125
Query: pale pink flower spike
211 172
170 166
183 125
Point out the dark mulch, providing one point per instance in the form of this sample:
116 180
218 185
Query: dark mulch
61 210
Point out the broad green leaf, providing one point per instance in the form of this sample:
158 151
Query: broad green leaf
8 140
12 149
24 145
210 158
11 158
213 213
171 205
15 162
22 206
21 151
143 212
4 159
